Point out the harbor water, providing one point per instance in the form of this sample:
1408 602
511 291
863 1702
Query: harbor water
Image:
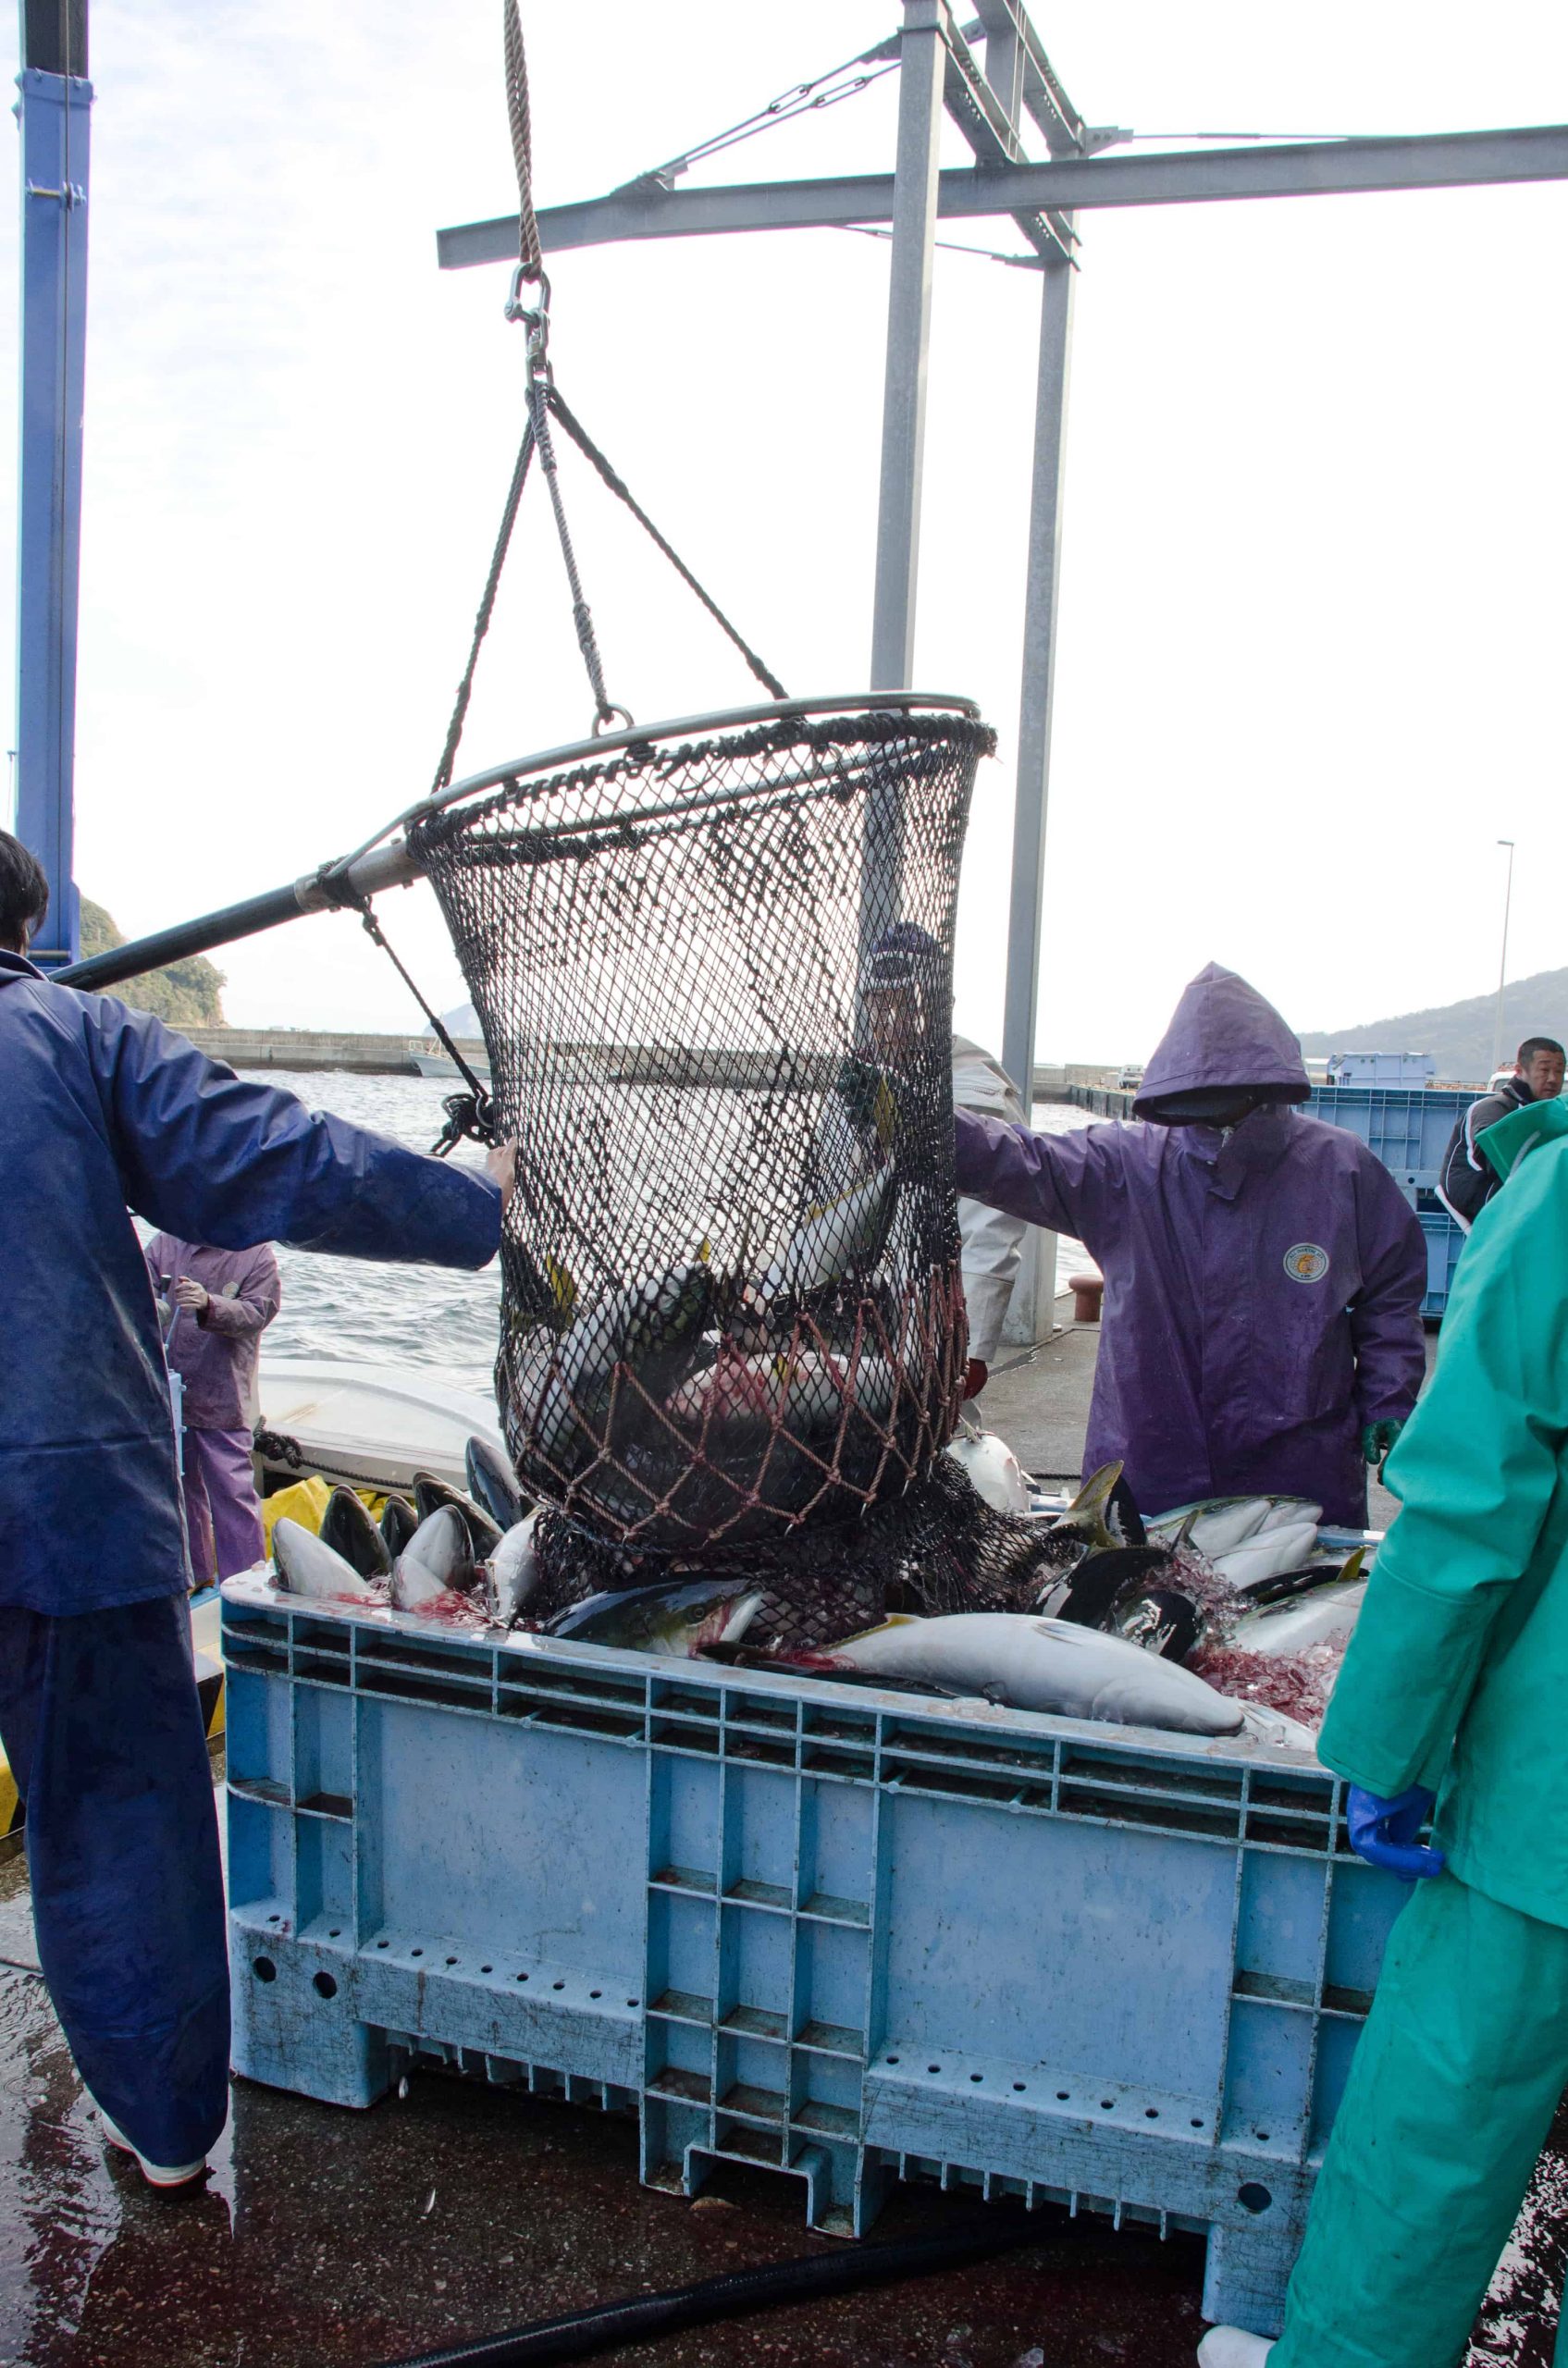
420 1317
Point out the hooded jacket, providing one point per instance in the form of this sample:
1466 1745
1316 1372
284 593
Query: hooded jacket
101 1107
1263 1283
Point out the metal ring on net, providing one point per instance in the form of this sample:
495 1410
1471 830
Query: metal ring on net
714 966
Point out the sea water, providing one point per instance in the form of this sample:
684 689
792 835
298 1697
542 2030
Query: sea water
352 1311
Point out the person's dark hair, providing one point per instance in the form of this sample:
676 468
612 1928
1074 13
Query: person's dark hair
24 894
1533 1044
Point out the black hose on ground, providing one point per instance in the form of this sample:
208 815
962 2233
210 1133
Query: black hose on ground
646 2316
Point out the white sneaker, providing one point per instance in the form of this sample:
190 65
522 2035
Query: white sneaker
161 2174
1233 2348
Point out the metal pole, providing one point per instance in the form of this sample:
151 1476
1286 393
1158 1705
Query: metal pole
909 336
55 99
1030 1316
1502 965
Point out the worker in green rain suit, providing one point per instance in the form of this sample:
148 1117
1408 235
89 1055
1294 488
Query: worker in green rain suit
1455 1684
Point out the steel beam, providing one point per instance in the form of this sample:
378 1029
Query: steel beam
1029 1313
921 86
1183 176
55 112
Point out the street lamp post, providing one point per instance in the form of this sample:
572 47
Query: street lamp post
1503 965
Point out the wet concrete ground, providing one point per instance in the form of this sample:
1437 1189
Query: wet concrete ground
329 2237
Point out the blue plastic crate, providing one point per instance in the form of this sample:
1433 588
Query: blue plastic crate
1444 1239
1408 1128
847 1934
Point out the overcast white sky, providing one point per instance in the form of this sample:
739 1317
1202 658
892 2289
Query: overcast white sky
1311 653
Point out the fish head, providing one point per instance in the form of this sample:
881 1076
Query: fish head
306 1565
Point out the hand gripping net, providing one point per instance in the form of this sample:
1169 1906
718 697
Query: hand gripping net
714 978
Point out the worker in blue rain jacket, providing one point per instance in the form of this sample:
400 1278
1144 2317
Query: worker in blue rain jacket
1451 1703
101 1107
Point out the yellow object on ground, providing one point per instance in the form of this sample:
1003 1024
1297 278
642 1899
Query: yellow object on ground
304 1501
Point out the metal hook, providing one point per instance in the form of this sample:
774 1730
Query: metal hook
606 719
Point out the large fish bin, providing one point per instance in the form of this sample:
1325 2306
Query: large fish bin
850 1935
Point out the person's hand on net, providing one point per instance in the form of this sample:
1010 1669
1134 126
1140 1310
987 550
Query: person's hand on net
501 1166
189 1294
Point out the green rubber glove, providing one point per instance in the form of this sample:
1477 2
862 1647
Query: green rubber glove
1377 1439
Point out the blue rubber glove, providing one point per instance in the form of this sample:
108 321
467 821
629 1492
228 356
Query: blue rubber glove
1378 1440
1383 1832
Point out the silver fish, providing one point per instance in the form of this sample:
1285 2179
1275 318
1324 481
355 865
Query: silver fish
1033 1664
513 1572
837 1236
398 1520
306 1566
1325 1617
678 1619
805 1391
430 1495
347 1527
1217 1525
992 1468
1266 1555
493 1483
562 1396
437 1560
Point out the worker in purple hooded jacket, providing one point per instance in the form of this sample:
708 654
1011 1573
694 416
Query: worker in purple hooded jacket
1263 1272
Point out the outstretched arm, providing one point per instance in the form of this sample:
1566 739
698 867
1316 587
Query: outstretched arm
1060 1181
210 1157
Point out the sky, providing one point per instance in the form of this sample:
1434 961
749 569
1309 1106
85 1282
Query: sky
1312 597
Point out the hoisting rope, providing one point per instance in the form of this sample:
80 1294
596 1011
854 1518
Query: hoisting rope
618 486
474 1113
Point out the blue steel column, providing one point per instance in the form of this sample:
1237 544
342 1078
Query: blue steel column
54 117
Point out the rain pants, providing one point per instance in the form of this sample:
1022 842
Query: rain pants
101 1105
1455 1679
1263 1285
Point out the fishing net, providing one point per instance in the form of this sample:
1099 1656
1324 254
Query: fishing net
714 978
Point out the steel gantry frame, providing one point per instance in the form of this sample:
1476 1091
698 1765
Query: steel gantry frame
988 92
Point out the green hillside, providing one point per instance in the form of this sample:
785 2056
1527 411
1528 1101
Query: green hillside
187 994
1460 1035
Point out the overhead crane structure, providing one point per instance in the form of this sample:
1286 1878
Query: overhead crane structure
994 78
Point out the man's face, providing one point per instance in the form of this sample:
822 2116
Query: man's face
892 1022
1543 1074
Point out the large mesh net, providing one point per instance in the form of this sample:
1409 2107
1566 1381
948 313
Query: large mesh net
714 978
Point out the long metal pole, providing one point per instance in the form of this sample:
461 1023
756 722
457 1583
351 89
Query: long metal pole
55 99
908 337
1033 1298
1503 964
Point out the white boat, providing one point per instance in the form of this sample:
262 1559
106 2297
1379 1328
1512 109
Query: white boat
442 1065
369 1425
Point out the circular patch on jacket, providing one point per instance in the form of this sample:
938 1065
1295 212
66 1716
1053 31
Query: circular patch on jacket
1305 1263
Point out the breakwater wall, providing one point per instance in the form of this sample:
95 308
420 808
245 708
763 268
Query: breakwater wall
382 1055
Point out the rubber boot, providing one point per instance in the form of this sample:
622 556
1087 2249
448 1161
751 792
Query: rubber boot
1233 2348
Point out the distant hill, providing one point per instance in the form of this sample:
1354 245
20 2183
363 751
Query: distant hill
462 1023
1460 1035
186 994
